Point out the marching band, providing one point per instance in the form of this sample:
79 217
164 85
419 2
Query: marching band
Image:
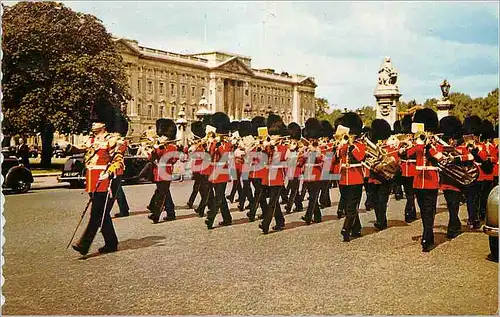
423 156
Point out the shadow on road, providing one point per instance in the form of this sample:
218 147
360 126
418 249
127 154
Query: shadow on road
131 244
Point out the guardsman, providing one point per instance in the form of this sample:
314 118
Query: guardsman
235 172
312 164
396 184
408 171
472 125
294 170
219 151
196 160
336 171
257 170
487 133
452 130
274 179
164 155
239 158
426 179
102 160
326 147
351 153
381 188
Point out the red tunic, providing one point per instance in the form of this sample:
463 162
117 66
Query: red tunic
276 169
257 168
164 160
493 150
220 162
312 169
483 154
351 170
426 176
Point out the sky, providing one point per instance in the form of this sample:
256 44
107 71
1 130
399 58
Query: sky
340 44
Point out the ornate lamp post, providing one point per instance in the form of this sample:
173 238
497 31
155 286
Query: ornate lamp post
445 105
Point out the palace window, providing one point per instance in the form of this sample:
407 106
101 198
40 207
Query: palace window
161 88
139 86
172 89
183 91
211 92
275 100
282 100
139 109
193 113
288 101
161 112
246 92
172 113
193 91
203 91
150 111
261 99
150 87
254 98
268 100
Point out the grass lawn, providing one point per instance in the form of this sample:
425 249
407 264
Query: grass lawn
56 167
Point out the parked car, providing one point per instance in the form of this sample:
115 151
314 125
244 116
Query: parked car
59 153
491 224
74 170
17 178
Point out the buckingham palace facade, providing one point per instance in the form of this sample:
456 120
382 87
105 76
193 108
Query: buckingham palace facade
164 83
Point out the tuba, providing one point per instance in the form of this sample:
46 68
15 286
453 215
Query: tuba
379 162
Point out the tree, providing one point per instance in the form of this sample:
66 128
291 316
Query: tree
58 66
322 106
369 114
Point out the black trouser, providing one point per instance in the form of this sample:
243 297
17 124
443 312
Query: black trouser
246 194
294 196
341 207
273 209
396 186
453 202
369 195
96 214
236 188
352 198
313 189
162 200
259 199
219 203
283 195
410 210
486 187
427 200
472 195
324 198
198 179
303 190
207 195
380 196
117 194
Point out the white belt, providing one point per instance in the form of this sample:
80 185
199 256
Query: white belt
97 167
278 166
351 165
163 164
426 168
318 165
409 161
220 163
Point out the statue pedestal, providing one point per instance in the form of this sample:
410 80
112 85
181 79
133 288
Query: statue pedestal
387 98
445 108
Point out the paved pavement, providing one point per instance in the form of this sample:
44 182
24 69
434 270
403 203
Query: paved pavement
180 267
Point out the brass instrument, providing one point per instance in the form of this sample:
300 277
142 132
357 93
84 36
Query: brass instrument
379 161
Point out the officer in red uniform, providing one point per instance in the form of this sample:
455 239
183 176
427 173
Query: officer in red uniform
102 161
381 187
164 155
219 151
407 172
294 170
426 179
351 153
196 162
274 179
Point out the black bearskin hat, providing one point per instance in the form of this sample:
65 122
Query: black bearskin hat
275 125
113 118
396 127
198 129
221 122
245 128
471 125
429 118
167 128
406 124
257 122
496 131
352 121
328 130
487 130
451 127
313 129
294 131
234 126
380 130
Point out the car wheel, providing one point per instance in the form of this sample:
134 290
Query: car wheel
494 247
22 186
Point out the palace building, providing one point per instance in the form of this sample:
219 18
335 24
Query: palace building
164 84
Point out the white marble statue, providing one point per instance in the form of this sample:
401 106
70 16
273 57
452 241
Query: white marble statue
387 75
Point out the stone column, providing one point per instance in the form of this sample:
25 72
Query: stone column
387 93
296 114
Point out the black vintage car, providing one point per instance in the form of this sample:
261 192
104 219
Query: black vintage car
17 178
74 170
